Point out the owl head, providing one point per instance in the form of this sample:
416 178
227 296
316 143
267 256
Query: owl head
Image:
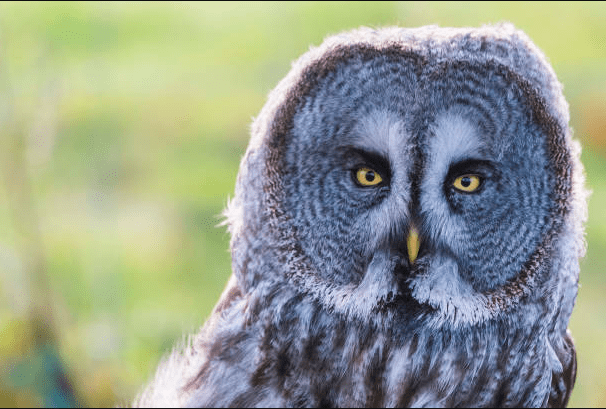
415 174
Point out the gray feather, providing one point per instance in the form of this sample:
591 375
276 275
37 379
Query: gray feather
324 308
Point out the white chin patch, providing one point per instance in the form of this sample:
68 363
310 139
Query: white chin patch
455 301
361 300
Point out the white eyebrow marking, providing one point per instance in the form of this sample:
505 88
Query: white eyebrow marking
452 138
383 132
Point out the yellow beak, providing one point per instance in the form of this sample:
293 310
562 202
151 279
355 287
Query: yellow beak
412 244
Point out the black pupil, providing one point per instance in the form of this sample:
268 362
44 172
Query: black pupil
465 181
370 176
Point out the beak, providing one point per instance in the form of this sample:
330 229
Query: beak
412 244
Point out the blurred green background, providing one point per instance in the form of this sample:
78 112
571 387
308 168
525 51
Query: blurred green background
121 130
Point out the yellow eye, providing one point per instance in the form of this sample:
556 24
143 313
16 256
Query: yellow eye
368 177
467 183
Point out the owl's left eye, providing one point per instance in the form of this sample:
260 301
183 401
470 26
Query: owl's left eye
367 177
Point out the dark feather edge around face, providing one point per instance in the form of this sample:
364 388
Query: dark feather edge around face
499 299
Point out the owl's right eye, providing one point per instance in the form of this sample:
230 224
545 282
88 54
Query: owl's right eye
469 176
367 177
467 183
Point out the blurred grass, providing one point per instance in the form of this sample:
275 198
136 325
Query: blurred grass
128 121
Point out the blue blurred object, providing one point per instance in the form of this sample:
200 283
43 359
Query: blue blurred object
43 373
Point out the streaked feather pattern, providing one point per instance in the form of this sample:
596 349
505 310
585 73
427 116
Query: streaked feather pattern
324 308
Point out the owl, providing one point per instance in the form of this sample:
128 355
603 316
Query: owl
406 231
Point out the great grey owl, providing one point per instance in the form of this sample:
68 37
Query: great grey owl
406 231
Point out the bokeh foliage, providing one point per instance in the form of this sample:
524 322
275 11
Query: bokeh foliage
121 130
